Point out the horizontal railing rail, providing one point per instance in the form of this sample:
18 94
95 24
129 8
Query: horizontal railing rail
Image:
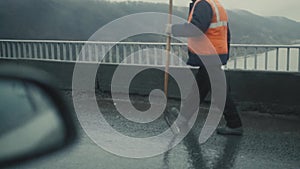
242 56
265 57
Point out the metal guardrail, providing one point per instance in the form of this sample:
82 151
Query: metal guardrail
243 56
106 52
265 57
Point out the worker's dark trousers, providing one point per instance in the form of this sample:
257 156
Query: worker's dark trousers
230 112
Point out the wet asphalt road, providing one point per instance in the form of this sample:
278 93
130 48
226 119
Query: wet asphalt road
269 142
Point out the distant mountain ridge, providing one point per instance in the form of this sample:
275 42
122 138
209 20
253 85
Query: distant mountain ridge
78 20
251 28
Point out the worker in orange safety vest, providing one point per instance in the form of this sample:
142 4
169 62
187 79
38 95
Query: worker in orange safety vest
208 36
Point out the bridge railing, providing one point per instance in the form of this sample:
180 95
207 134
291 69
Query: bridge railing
243 56
265 57
107 52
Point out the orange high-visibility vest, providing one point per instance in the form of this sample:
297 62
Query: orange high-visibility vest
215 41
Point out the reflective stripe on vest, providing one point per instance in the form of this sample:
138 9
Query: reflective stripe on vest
218 24
215 41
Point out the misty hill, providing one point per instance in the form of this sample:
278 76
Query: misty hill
79 19
251 28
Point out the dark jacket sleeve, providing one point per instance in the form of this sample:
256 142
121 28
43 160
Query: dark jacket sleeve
228 38
201 20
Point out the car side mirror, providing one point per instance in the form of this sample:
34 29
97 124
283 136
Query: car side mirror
34 118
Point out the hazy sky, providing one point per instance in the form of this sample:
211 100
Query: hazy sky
286 8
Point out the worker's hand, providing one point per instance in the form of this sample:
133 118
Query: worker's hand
168 30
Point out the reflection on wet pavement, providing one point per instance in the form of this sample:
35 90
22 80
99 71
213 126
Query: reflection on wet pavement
271 142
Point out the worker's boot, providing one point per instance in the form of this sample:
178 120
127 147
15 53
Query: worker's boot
230 131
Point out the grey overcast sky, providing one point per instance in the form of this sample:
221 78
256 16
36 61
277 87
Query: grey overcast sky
286 8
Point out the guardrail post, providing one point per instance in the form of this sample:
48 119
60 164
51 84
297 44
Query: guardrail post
13 48
102 58
83 53
3 53
64 51
147 50
96 53
130 54
24 50
52 51
288 59
139 54
90 54
125 54
234 63
235 58
47 51
111 54
155 56
245 59
118 54
70 52
58 52
266 58
41 56
255 58
19 50
277 59
29 50
76 52
8 50
171 56
299 59
163 54
35 51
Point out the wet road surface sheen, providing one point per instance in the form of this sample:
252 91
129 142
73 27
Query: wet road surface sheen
268 142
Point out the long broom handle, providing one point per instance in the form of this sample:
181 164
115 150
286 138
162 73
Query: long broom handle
168 49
